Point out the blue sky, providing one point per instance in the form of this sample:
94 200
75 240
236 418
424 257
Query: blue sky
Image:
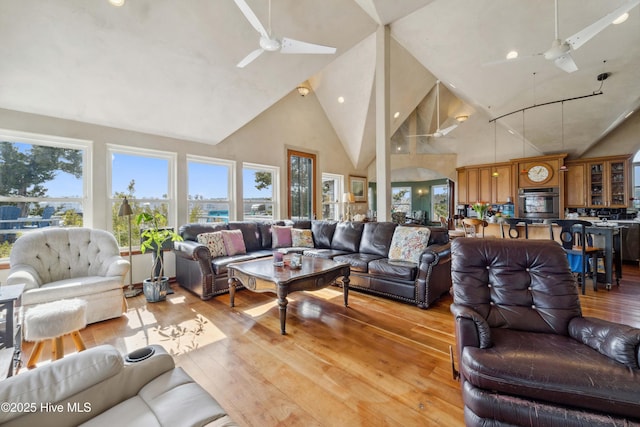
208 180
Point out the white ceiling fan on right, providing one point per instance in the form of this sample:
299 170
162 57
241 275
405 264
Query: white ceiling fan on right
439 133
560 51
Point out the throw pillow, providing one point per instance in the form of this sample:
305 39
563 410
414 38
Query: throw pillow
281 236
233 242
214 242
408 243
301 238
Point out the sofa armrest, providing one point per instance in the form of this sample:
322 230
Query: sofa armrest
26 274
434 253
616 341
471 328
192 250
116 266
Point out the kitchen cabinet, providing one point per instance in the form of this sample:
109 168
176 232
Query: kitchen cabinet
608 182
576 185
477 183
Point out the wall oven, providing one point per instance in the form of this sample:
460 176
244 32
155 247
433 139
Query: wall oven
539 203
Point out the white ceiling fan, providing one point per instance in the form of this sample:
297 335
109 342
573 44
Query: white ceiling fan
271 44
439 132
560 51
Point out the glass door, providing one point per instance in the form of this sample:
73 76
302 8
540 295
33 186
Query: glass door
301 185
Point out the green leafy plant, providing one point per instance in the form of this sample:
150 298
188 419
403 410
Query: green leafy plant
153 236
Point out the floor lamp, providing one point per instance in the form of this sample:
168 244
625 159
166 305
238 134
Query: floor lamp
125 210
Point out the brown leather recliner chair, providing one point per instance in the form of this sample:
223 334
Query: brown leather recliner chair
527 356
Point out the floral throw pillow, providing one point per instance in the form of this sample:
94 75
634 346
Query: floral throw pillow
301 238
214 242
408 243
281 236
233 242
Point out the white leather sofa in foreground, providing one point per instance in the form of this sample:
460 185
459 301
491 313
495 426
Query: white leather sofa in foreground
98 387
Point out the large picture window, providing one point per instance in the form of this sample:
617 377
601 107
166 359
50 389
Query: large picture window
401 199
146 179
43 182
439 201
210 187
259 190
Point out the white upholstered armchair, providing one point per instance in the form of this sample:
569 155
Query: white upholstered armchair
59 263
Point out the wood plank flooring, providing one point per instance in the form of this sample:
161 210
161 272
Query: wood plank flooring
376 363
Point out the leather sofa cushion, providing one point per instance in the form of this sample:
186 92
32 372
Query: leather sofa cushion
556 374
250 234
359 262
323 233
324 253
347 236
400 270
191 231
376 238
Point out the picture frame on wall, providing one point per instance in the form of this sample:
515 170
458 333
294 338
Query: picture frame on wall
358 187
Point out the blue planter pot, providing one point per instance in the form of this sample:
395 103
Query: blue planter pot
155 291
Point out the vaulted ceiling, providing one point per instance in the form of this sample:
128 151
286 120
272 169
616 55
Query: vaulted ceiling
168 67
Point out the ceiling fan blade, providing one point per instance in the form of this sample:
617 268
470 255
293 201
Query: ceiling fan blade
252 18
249 58
296 46
566 63
445 131
586 34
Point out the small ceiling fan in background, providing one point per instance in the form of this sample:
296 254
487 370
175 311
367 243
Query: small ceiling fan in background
272 44
439 132
560 51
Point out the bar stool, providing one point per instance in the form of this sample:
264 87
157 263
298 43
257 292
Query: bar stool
575 241
470 226
513 223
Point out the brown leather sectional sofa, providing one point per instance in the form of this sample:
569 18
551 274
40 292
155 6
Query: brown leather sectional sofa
527 356
365 246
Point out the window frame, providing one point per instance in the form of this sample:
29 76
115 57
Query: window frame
172 160
313 189
231 187
59 142
339 188
275 185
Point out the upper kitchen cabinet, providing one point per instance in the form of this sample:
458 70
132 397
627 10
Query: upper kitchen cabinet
599 182
485 183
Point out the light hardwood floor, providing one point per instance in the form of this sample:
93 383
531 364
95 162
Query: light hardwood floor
376 363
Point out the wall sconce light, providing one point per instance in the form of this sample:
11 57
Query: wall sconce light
462 118
303 90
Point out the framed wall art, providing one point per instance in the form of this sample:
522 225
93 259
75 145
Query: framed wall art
358 187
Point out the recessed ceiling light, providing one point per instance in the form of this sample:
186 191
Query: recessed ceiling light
341 99
117 3
512 55
399 148
396 115
628 114
620 19
511 132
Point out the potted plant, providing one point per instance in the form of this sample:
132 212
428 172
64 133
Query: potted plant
153 236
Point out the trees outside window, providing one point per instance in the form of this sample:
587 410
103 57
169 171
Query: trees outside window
401 199
42 183
301 186
439 201
332 188
259 191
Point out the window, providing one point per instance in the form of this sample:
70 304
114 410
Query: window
210 187
401 199
636 181
43 182
301 184
147 179
332 186
439 201
260 201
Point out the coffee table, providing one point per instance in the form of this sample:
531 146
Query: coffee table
262 276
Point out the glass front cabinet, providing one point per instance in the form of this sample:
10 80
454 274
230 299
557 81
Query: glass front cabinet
608 183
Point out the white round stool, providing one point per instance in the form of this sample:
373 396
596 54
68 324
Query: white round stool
51 321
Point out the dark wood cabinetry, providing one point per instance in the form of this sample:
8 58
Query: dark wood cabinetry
602 182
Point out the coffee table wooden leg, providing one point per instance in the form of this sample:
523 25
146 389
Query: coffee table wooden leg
345 290
282 304
232 291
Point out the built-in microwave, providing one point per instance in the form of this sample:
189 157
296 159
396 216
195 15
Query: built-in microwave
539 202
